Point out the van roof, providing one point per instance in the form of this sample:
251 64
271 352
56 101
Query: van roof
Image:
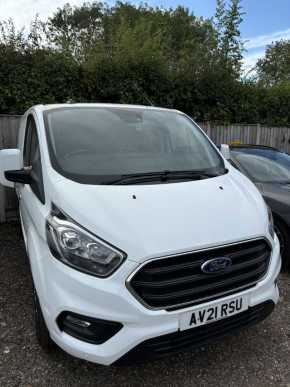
120 106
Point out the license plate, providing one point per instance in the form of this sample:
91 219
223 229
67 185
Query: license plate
212 313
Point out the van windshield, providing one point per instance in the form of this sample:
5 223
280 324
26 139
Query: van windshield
95 145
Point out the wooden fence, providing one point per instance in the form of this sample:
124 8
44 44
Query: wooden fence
278 137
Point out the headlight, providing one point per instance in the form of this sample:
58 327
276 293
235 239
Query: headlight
77 248
271 222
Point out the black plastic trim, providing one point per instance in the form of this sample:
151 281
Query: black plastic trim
102 329
196 337
189 261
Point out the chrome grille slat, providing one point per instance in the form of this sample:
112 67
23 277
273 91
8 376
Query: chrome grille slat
175 281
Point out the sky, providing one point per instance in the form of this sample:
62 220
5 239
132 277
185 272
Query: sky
264 21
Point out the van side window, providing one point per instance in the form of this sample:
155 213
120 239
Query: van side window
32 159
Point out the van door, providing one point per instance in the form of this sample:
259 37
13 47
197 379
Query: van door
32 197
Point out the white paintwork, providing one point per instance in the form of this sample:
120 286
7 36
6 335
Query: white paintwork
10 159
164 219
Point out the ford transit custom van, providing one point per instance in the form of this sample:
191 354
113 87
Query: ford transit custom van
142 238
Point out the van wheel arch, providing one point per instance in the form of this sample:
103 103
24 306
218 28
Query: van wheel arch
41 330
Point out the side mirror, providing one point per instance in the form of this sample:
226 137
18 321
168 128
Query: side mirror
10 160
225 151
21 176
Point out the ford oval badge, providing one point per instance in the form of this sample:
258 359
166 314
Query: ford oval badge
216 265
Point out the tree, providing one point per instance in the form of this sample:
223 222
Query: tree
36 38
274 68
145 55
75 30
219 21
10 37
230 44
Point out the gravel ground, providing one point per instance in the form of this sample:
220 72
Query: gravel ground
258 356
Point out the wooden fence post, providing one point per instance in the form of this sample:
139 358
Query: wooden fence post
258 134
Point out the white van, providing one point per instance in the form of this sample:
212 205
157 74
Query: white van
142 238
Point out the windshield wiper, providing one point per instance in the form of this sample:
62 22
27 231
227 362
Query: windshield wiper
162 176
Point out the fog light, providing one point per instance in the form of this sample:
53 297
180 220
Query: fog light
88 329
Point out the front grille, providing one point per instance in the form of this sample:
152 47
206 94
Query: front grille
196 337
171 283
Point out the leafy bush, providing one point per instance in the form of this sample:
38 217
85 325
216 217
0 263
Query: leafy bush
141 55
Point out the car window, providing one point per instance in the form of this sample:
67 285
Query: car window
264 165
32 158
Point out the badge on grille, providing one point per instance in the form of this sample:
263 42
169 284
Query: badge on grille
216 265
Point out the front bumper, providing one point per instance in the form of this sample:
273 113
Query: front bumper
64 289
196 337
